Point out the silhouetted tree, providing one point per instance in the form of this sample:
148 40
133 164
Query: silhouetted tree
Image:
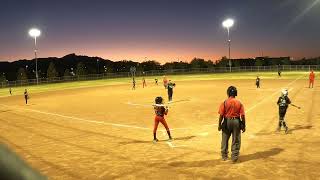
51 72
81 69
67 73
21 74
224 62
2 78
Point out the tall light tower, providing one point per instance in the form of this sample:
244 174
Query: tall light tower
35 33
228 23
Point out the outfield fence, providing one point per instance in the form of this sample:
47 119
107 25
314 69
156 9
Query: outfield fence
28 82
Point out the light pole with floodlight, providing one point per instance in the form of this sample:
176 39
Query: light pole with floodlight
227 24
35 33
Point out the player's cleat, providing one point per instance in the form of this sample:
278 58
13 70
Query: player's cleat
155 140
278 129
286 130
224 158
170 139
235 160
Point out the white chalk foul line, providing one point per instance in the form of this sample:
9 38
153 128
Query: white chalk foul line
78 119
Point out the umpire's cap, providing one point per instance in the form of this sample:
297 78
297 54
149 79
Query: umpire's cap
232 91
158 100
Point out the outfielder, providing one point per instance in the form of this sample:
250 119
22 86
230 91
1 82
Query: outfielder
144 84
160 111
133 84
258 82
311 78
26 96
231 121
283 103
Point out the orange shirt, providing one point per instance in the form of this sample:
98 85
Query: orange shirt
311 76
231 108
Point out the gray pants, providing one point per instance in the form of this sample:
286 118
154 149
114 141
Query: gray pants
233 128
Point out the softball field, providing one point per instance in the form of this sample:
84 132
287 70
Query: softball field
103 129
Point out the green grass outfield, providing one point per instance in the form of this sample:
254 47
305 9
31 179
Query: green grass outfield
118 81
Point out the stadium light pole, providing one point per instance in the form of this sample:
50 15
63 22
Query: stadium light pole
228 23
35 33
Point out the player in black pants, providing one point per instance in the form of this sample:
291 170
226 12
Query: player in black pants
283 103
170 87
258 82
133 84
26 96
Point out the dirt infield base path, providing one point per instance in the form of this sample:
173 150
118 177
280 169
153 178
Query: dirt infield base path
106 132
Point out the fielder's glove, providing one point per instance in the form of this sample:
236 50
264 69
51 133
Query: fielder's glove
219 127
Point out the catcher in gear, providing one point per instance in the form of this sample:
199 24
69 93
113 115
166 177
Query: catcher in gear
231 122
283 103
160 112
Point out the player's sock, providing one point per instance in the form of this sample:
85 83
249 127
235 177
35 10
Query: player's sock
154 136
169 134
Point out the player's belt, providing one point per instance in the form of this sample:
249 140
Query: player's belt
231 118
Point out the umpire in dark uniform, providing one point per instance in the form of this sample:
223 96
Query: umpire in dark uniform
231 122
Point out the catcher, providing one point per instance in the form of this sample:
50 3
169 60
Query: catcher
160 111
283 103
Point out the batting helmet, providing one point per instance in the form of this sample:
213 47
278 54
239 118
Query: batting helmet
232 91
284 92
158 100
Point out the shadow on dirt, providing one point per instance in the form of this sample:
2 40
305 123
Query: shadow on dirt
147 142
299 127
214 162
3 111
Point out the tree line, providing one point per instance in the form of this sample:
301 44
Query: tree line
75 65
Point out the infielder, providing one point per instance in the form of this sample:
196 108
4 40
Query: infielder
231 121
170 87
165 82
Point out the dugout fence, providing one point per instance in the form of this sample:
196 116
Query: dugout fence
28 82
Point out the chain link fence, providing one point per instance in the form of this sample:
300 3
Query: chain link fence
28 82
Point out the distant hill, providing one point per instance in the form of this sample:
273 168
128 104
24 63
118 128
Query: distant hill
93 65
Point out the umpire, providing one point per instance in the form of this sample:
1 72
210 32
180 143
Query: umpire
231 121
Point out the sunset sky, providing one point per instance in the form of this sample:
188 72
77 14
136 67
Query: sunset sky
162 30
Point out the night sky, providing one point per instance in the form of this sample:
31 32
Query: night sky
162 30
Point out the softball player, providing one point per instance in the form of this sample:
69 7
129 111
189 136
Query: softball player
311 78
258 82
26 95
133 84
160 112
170 87
283 103
144 84
231 122
165 82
